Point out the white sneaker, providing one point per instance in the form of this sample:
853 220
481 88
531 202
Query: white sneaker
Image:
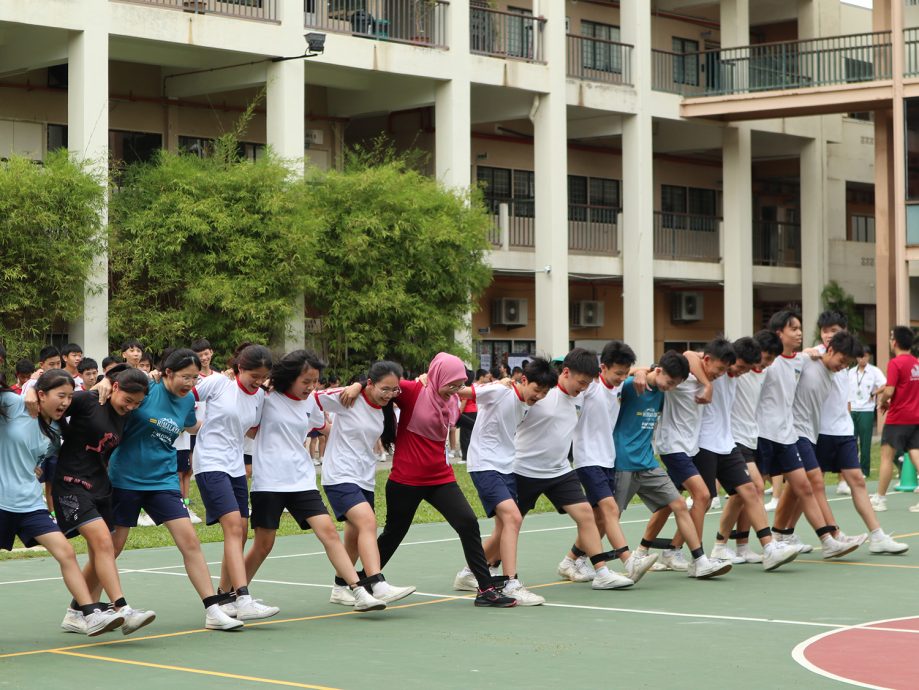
833 548
912 509
886 544
858 539
703 568
74 622
365 601
229 608
843 489
794 540
611 580
723 552
515 589
689 502
748 555
100 621
716 503
673 559
341 594
465 581
639 563
771 505
144 520
776 554
216 619
879 503
585 569
195 520
248 609
388 593
381 457
135 619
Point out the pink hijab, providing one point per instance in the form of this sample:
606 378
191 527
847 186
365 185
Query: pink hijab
433 415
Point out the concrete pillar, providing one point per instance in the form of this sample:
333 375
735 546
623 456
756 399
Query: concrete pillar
87 139
735 23
737 257
550 154
813 240
638 190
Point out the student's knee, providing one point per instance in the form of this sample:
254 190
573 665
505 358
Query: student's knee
511 518
816 481
855 479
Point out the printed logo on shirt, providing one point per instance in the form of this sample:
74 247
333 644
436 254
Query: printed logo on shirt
914 373
166 430
648 417
109 440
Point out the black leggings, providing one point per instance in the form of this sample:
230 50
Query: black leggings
402 502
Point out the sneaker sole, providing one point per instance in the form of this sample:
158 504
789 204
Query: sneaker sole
400 597
724 569
341 602
489 605
377 607
845 552
143 624
236 625
792 556
522 602
258 617
888 552
112 625
457 587
614 586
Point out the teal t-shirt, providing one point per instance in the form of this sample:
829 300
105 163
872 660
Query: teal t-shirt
22 448
145 460
635 428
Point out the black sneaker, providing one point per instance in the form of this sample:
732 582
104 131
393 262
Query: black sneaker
491 597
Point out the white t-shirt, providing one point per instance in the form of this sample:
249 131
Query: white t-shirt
743 413
280 461
775 414
349 456
861 386
678 428
814 386
544 437
593 436
835 419
500 410
715 431
231 412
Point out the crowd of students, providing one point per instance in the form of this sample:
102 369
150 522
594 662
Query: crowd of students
589 432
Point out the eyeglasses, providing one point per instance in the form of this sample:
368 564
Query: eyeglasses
455 388
390 391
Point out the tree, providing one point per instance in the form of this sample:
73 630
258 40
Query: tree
396 262
49 232
835 298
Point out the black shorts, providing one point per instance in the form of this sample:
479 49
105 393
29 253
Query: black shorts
728 468
561 491
247 459
183 460
75 506
267 507
901 437
749 454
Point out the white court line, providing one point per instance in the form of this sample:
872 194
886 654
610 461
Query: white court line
405 543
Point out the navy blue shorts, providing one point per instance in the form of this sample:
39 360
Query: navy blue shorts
680 467
777 458
26 526
837 453
48 466
343 497
561 491
162 506
267 507
247 459
598 483
808 453
494 487
183 461
222 494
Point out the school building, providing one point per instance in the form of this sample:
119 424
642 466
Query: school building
657 170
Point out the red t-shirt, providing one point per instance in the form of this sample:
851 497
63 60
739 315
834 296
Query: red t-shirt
903 375
418 460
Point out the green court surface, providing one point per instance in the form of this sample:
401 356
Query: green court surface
667 631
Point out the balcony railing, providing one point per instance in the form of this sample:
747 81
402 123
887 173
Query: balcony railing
418 22
776 244
596 59
775 66
505 34
514 223
686 237
264 10
911 47
592 229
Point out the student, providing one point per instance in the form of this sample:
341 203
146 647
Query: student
71 356
637 471
108 363
146 363
186 442
491 467
49 357
469 409
142 471
541 464
205 352
24 371
82 490
517 374
89 372
234 406
779 431
349 475
132 351
865 381
420 471
24 441
285 478
900 400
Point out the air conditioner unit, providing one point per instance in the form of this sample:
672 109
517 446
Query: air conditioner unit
586 314
686 306
509 311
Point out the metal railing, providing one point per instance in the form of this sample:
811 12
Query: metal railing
675 73
596 59
592 229
264 10
911 48
514 223
776 244
686 237
418 22
505 34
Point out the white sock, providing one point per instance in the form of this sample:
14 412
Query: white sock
380 588
877 534
213 610
567 561
602 572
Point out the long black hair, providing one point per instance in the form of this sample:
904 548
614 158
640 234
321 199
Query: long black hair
288 369
249 356
378 372
178 358
129 379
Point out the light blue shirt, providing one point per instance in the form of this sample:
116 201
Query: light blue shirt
635 428
23 446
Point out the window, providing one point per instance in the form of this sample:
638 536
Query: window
57 139
686 61
133 147
689 207
520 33
596 55
861 228
524 193
513 187
577 197
593 198
199 146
